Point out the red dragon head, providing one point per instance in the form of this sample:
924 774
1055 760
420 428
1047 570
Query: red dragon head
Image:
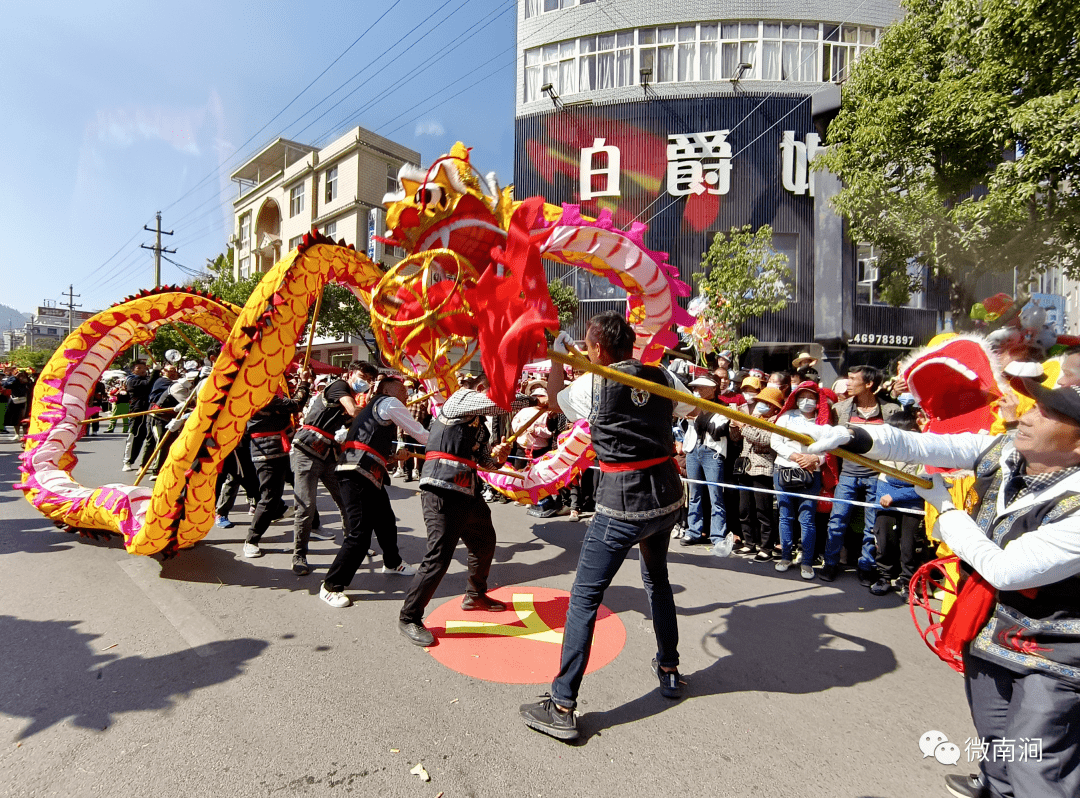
956 380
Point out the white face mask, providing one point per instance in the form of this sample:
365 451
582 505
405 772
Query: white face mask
761 408
807 405
749 397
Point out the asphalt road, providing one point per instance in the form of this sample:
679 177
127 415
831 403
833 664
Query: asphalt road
214 675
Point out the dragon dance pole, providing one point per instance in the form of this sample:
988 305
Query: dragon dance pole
127 415
311 332
667 392
526 425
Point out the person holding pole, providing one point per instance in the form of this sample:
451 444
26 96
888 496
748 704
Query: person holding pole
638 499
459 443
1017 615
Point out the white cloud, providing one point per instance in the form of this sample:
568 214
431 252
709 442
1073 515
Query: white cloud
123 127
432 127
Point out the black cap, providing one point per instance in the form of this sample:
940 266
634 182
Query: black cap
1065 401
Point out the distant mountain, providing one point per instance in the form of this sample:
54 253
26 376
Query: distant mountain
9 317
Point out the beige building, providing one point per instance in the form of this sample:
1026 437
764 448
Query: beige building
289 188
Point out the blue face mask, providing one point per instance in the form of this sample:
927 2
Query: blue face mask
359 385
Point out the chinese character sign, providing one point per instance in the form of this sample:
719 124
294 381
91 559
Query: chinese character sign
796 157
699 163
590 168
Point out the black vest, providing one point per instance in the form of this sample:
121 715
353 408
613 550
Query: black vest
1029 630
369 444
462 441
630 425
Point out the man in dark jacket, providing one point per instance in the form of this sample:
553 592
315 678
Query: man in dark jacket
857 483
139 439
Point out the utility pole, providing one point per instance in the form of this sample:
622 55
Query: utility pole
71 307
158 249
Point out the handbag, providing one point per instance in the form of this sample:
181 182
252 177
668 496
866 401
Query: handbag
793 477
741 466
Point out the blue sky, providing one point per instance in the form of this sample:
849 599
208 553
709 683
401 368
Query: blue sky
116 110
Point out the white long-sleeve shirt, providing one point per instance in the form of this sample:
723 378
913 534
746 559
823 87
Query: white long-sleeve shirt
785 447
396 412
1042 556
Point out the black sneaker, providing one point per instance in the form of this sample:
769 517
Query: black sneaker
300 566
827 573
670 685
866 578
880 587
903 591
969 786
545 718
418 634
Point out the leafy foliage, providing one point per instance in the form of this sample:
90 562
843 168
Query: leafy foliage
35 358
743 277
566 301
958 142
341 315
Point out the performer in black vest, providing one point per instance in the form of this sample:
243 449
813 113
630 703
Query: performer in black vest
638 500
1019 530
270 432
453 507
362 474
314 457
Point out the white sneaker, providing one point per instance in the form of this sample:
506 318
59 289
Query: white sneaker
806 572
334 598
14 438
129 468
782 565
402 570
252 550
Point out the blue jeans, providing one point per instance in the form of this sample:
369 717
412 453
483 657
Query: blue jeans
795 508
854 489
606 543
707 465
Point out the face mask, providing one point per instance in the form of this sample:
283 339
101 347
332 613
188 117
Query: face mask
749 397
359 385
807 405
761 408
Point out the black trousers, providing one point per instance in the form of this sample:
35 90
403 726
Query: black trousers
1030 711
451 516
236 470
366 510
756 513
271 506
896 534
140 440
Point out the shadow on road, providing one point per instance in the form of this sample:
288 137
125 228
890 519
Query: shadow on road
53 672
779 647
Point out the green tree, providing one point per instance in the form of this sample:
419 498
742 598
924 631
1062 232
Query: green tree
743 277
958 143
566 301
341 315
36 358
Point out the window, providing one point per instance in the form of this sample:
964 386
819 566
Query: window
807 52
593 287
296 201
245 266
331 184
788 244
391 178
330 230
868 278
294 242
245 231
52 331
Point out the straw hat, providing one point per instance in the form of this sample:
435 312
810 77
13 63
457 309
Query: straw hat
803 359
773 397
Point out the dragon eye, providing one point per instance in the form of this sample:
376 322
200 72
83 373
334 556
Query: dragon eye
428 195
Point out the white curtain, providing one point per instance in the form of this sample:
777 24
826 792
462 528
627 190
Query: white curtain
532 8
605 73
792 69
770 61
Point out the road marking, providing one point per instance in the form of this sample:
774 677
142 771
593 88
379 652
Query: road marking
533 627
192 625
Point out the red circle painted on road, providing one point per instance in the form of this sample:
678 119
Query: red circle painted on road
521 645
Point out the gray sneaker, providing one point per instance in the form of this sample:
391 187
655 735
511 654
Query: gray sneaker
782 565
545 718
300 565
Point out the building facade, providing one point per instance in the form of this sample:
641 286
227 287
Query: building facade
46 330
697 117
289 188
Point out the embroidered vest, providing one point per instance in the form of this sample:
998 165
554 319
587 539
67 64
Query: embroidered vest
1034 630
369 444
630 426
451 454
